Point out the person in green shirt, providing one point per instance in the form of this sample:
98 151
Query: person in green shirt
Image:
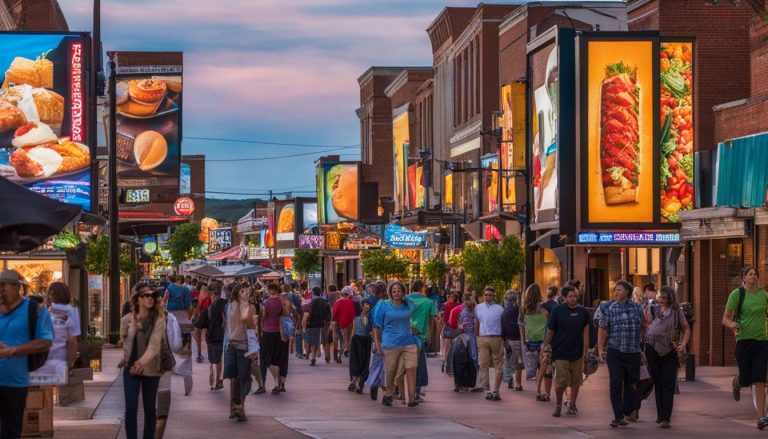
748 322
424 313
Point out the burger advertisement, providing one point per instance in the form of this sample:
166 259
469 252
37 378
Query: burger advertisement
148 102
620 154
337 192
43 116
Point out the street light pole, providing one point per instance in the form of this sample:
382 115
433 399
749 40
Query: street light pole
114 231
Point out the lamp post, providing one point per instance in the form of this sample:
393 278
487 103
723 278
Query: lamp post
114 231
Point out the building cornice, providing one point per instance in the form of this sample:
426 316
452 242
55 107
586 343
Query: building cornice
402 79
378 71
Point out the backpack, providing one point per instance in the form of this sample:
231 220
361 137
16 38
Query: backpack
34 361
317 315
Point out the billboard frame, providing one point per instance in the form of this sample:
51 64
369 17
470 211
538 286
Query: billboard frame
322 215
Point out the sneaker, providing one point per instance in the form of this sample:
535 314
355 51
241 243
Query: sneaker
736 388
618 422
762 423
633 417
312 362
556 413
572 410
665 424
352 386
386 401
200 358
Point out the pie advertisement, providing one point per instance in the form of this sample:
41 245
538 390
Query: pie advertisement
620 148
43 120
338 192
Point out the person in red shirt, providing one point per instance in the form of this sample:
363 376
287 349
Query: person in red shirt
453 302
203 300
342 315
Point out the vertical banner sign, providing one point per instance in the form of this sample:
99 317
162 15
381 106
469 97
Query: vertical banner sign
677 131
185 179
43 115
400 146
149 104
490 164
513 139
338 187
448 192
620 131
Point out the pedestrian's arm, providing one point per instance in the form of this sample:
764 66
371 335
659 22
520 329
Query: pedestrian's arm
728 321
477 324
304 321
547 339
585 340
31 347
686 335
602 334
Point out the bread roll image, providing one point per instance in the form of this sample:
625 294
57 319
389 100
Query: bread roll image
286 220
343 190
173 82
150 150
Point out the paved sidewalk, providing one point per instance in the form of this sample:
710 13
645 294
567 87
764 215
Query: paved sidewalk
318 405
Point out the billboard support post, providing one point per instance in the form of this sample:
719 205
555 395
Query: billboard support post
114 232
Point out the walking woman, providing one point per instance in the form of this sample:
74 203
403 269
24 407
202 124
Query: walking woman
237 367
464 357
533 328
446 333
667 335
274 351
142 333
200 305
360 351
392 336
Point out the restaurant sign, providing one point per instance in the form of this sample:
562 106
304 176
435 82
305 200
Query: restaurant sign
627 238
399 237
362 243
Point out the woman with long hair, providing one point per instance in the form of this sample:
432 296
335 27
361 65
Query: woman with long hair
360 349
533 328
200 302
392 336
237 367
665 341
142 332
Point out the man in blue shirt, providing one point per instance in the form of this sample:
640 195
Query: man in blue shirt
16 343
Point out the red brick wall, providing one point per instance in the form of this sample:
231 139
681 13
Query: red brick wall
645 17
742 120
759 47
701 326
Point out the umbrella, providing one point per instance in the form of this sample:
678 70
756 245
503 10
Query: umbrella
207 271
29 219
253 270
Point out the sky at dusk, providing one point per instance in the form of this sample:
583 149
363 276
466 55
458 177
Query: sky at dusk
269 70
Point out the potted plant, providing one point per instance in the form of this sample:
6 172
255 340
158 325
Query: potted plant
90 350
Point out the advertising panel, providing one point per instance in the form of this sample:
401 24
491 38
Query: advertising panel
149 101
43 117
220 239
677 130
490 182
309 215
544 109
513 127
285 214
620 99
338 192
312 241
401 141
415 186
448 192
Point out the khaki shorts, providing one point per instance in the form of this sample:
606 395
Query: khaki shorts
569 373
398 360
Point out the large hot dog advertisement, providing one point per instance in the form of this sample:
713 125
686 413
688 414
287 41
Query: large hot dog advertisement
43 119
338 187
620 148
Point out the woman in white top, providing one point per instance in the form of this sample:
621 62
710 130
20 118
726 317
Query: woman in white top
66 326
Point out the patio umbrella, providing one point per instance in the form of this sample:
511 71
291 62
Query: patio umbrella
28 219
207 271
253 270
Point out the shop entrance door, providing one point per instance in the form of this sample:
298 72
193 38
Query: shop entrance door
596 287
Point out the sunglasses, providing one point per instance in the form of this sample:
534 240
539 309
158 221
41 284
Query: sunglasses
145 295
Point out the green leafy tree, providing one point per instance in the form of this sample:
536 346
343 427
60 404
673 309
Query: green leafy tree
384 264
498 264
183 241
434 269
306 261
97 257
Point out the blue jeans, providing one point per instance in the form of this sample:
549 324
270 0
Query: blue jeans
237 368
132 385
422 378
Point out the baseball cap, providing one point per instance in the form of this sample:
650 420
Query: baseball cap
10 277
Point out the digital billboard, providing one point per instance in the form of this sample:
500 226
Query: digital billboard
185 179
338 187
513 125
43 114
677 129
619 93
149 104
309 215
544 112
400 146
448 191
286 221
415 186
490 164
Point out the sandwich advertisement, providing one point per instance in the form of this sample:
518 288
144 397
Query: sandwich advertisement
544 132
338 192
43 116
400 146
149 100
620 131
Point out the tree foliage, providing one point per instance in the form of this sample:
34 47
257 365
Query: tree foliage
306 261
97 257
384 264
183 241
494 263
434 269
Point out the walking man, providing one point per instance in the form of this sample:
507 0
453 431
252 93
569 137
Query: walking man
316 316
622 326
490 344
568 333
343 314
513 345
16 342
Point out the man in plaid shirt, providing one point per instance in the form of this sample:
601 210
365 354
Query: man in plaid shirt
622 326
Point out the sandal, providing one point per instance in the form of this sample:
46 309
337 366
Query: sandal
545 397
259 391
489 396
386 401
539 397
276 391
352 387
496 396
412 404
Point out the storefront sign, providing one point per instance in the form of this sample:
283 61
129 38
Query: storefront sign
184 206
136 196
258 253
365 243
311 241
220 239
400 237
333 241
286 252
149 247
613 238
413 255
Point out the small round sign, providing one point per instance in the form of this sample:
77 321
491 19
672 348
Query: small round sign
184 206
150 247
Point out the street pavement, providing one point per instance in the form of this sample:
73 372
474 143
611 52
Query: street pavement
317 404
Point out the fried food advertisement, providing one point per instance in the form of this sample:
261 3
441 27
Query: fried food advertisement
620 168
338 192
43 103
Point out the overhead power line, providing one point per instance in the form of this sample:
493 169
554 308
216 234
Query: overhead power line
256 159
262 194
261 142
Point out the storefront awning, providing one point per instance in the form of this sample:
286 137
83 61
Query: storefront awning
714 223
235 253
550 240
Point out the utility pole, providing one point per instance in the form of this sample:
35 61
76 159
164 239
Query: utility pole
114 230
